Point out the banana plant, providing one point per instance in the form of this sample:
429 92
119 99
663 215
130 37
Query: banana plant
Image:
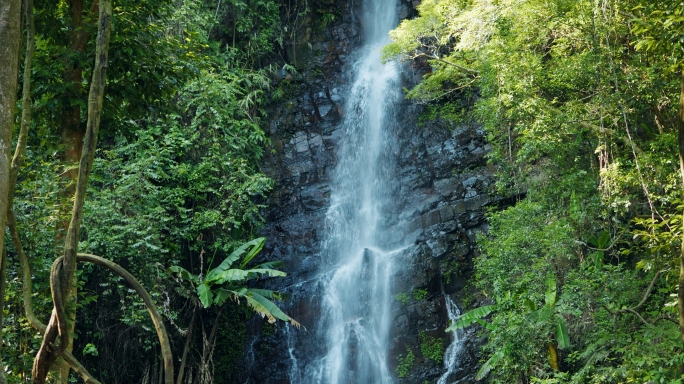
549 312
229 280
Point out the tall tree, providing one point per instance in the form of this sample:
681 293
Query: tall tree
10 41
72 133
64 290
659 28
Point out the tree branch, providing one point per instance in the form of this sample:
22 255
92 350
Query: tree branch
650 288
27 286
435 57
188 338
149 303
78 368
633 309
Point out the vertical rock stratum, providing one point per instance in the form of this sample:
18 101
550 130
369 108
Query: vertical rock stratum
374 214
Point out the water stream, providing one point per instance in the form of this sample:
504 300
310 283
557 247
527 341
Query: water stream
360 243
454 350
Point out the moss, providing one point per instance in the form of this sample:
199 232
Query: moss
432 347
402 298
230 340
419 294
405 364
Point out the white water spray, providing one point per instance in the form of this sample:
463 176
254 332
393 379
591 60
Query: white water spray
454 350
357 268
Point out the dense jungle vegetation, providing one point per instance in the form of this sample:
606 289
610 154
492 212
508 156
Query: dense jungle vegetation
179 90
156 108
579 281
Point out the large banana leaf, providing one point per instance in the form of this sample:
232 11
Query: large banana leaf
256 245
550 296
267 293
221 295
265 307
562 333
487 325
257 300
540 315
471 317
259 244
232 275
270 265
205 295
489 365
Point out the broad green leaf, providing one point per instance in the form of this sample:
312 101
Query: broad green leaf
603 240
596 258
489 365
487 325
550 296
267 293
256 248
227 276
529 304
562 334
471 316
234 256
541 315
270 265
205 295
265 307
232 275
267 272
221 295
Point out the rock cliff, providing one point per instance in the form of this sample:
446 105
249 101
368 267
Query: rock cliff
444 184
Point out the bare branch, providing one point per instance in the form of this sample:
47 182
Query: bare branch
435 57
650 288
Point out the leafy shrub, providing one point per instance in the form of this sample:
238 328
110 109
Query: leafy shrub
432 347
405 364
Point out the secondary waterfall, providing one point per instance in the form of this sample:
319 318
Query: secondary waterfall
452 353
357 267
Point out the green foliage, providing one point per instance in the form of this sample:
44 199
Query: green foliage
90 349
402 298
432 347
473 316
229 280
419 294
579 103
176 180
405 364
230 341
325 18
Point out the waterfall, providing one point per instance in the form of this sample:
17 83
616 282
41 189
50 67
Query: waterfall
361 228
454 349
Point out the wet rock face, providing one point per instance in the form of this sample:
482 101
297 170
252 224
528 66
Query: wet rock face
444 184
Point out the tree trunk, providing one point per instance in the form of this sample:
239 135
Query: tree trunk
72 131
208 347
680 140
3 274
188 339
73 134
10 41
47 354
17 159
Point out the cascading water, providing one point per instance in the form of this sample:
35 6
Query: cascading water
357 268
454 349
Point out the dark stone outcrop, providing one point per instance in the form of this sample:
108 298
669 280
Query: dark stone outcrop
444 182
